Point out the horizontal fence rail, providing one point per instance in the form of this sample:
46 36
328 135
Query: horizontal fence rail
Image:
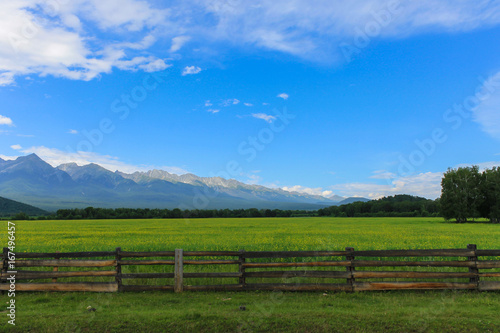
349 270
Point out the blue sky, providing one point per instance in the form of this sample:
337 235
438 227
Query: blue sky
364 98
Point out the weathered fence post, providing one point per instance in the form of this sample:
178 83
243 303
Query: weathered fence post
179 271
56 268
118 277
473 269
242 269
350 268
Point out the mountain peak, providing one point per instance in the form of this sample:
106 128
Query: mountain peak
31 157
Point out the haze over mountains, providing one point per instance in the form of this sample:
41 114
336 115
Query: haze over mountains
31 180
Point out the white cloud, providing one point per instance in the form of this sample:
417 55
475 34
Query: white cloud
482 166
248 104
308 190
314 29
383 174
16 147
213 110
80 39
56 157
487 112
51 38
6 121
253 179
190 70
424 184
178 43
284 96
8 158
264 116
207 104
72 131
229 102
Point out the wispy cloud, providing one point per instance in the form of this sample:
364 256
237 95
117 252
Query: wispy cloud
213 110
248 104
308 190
191 70
229 102
56 157
424 184
6 121
487 112
208 103
264 116
284 96
16 147
483 165
383 174
78 39
67 39
72 131
178 43
313 29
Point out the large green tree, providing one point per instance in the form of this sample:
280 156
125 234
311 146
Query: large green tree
491 191
462 196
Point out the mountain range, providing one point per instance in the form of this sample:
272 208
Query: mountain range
31 180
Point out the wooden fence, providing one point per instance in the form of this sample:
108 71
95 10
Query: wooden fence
348 270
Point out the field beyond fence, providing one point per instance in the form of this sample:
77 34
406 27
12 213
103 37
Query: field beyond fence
349 270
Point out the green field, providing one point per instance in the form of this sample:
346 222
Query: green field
448 311
252 234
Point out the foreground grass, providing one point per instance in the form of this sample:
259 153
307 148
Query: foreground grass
265 312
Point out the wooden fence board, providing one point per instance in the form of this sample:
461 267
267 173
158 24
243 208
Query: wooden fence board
36 255
296 264
413 275
488 264
415 253
125 254
146 288
394 263
489 285
65 263
33 275
370 286
146 262
299 287
87 286
290 254
292 274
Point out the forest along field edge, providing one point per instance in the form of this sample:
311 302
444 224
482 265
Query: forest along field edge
251 234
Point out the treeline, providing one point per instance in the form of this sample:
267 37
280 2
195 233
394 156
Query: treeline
394 206
468 194
131 213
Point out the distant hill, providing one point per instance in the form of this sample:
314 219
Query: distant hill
10 207
395 206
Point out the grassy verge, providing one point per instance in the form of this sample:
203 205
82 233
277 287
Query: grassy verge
446 311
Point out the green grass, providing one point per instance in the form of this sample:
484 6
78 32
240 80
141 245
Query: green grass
266 311
253 234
